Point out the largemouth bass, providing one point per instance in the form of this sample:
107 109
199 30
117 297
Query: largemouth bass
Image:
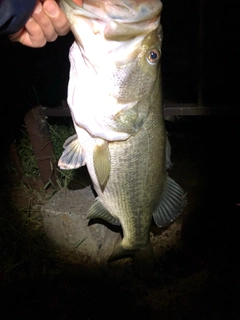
115 98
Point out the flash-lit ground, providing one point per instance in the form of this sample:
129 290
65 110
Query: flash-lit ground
196 273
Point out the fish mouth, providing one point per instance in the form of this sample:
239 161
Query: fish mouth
129 11
118 20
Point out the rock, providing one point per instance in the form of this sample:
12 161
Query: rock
68 230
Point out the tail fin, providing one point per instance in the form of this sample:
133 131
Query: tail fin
121 252
143 259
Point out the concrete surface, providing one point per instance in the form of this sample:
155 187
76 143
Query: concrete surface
68 230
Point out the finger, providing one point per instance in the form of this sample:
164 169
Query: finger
15 36
32 35
57 17
78 2
44 22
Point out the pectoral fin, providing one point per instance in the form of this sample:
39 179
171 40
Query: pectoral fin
171 204
72 156
97 211
101 161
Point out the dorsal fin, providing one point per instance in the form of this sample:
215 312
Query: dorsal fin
171 204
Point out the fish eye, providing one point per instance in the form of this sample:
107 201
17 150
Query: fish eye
153 56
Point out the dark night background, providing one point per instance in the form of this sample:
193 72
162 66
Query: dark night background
32 76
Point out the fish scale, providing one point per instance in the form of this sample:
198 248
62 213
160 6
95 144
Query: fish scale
132 195
120 129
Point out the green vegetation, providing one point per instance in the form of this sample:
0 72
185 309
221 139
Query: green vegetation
59 133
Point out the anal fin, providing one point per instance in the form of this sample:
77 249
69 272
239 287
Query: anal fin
171 204
97 211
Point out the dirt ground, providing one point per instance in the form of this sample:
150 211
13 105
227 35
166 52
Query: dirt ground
196 272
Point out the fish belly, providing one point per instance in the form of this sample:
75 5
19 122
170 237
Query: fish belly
137 176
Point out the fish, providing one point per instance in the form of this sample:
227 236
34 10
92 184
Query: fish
115 100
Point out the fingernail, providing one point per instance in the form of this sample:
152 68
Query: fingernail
51 8
38 8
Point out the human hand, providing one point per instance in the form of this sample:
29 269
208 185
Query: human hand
48 21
